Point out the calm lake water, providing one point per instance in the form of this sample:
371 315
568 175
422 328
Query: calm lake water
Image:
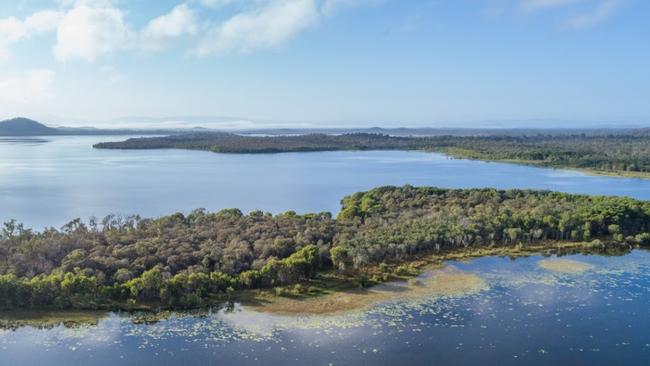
525 315
49 181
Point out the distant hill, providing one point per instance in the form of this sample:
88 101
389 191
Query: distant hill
28 127
25 127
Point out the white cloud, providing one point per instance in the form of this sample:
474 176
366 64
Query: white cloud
89 29
600 14
267 27
162 30
93 28
33 85
218 3
88 32
13 30
331 7
43 21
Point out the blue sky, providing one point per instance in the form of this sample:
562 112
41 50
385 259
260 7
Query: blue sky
327 62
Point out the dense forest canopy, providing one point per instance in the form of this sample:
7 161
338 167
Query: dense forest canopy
179 260
624 151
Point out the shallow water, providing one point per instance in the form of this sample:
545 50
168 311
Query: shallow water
49 181
528 315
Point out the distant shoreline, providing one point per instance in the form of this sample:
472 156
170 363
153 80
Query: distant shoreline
624 155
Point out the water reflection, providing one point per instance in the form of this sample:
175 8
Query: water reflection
49 184
22 140
529 313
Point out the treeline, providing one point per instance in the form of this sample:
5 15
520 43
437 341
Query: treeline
624 151
79 289
616 153
390 222
185 260
231 143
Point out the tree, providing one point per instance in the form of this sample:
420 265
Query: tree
340 257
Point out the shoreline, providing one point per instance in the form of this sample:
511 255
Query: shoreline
266 302
532 163
537 164
321 296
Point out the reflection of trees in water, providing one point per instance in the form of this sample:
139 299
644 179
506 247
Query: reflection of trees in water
80 319
21 140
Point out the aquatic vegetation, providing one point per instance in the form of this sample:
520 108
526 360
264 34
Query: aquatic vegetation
459 307
434 283
565 265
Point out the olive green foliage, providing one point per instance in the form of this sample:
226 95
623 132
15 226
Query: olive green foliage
184 261
616 152
389 222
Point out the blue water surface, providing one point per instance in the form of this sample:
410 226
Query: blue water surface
50 181
526 315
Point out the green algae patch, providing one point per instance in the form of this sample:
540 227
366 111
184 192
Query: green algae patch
567 266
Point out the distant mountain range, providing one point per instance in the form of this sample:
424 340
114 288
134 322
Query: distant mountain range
28 127
25 127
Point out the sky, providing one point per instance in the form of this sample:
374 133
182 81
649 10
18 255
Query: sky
326 63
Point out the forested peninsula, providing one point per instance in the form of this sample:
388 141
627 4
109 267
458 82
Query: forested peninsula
621 153
194 260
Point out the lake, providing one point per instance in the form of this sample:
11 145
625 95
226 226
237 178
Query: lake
579 310
50 181
530 311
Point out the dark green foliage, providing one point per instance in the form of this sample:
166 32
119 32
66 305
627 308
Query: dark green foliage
392 222
623 151
231 143
182 261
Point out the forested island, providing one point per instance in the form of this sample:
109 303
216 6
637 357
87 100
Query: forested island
193 260
623 152
620 152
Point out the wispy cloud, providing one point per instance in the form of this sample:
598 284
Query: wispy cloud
267 27
13 30
32 85
584 13
87 30
269 23
331 7
164 29
90 30
600 14
215 4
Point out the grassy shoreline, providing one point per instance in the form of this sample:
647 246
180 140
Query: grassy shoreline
542 164
315 295
329 284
